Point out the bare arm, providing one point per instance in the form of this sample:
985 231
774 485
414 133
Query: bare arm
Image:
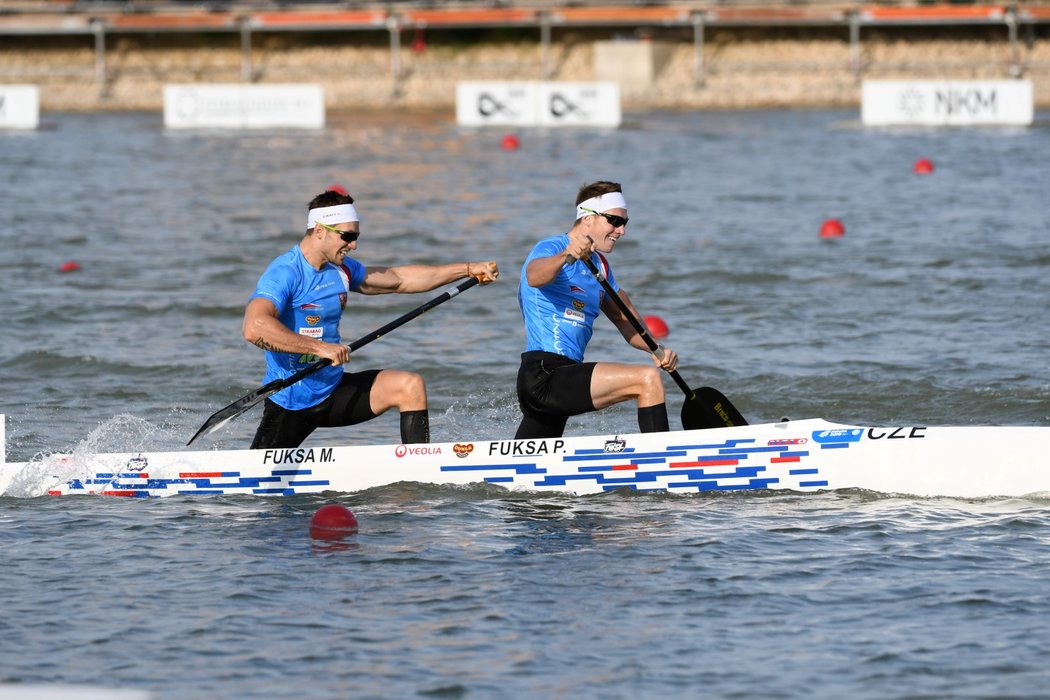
262 329
543 271
664 357
411 279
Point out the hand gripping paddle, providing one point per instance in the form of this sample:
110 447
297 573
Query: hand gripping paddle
225 415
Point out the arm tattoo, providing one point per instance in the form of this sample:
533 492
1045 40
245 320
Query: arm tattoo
261 343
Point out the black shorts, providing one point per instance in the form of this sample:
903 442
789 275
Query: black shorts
553 385
348 404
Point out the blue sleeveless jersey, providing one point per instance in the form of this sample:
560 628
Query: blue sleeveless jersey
559 317
309 302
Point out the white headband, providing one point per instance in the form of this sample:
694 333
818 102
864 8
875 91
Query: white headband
603 202
340 213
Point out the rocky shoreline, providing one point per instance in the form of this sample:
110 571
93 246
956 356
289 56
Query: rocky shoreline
739 70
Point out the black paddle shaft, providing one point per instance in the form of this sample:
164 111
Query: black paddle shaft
225 415
638 327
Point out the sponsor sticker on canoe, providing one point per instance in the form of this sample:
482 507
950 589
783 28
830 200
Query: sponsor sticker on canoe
463 450
837 435
416 450
787 441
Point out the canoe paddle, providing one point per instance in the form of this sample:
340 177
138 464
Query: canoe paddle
704 407
225 415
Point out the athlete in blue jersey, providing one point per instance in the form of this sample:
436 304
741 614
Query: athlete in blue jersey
294 316
559 299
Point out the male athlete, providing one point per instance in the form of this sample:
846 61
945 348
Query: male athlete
294 316
559 299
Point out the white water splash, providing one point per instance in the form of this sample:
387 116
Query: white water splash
123 433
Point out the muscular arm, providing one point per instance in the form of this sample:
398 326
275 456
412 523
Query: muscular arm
665 357
543 271
622 323
411 279
262 329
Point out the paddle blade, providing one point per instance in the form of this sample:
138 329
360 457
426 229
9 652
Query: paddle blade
709 408
225 415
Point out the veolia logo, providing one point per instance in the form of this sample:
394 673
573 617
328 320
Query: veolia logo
416 450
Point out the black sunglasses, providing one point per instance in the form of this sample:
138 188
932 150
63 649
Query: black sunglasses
347 236
614 220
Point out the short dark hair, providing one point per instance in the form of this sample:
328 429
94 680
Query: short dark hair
329 198
596 189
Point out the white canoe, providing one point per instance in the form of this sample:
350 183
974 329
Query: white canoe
803 456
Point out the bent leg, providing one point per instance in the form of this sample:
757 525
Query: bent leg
281 428
394 388
407 392
535 427
613 382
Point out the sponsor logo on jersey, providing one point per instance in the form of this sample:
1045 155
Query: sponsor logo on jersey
312 332
313 320
578 305
574 315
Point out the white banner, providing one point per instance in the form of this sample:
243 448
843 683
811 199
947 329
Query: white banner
580 104
500 104
243 106
530 103
19 107
946 102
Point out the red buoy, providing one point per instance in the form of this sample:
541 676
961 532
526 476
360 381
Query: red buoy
332 522
923 166
832 228
510 142
338 189
657 328
71 266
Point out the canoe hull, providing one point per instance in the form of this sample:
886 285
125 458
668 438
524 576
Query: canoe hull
803 456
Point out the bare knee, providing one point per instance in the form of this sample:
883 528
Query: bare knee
405 391
651 387
412 391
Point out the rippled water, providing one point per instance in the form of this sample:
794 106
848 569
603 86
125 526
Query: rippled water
931 309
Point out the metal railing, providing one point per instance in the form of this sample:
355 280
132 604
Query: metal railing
100 18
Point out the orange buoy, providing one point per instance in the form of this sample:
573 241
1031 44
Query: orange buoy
332 522
510 142
832 228
923 166
657 328
70 266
